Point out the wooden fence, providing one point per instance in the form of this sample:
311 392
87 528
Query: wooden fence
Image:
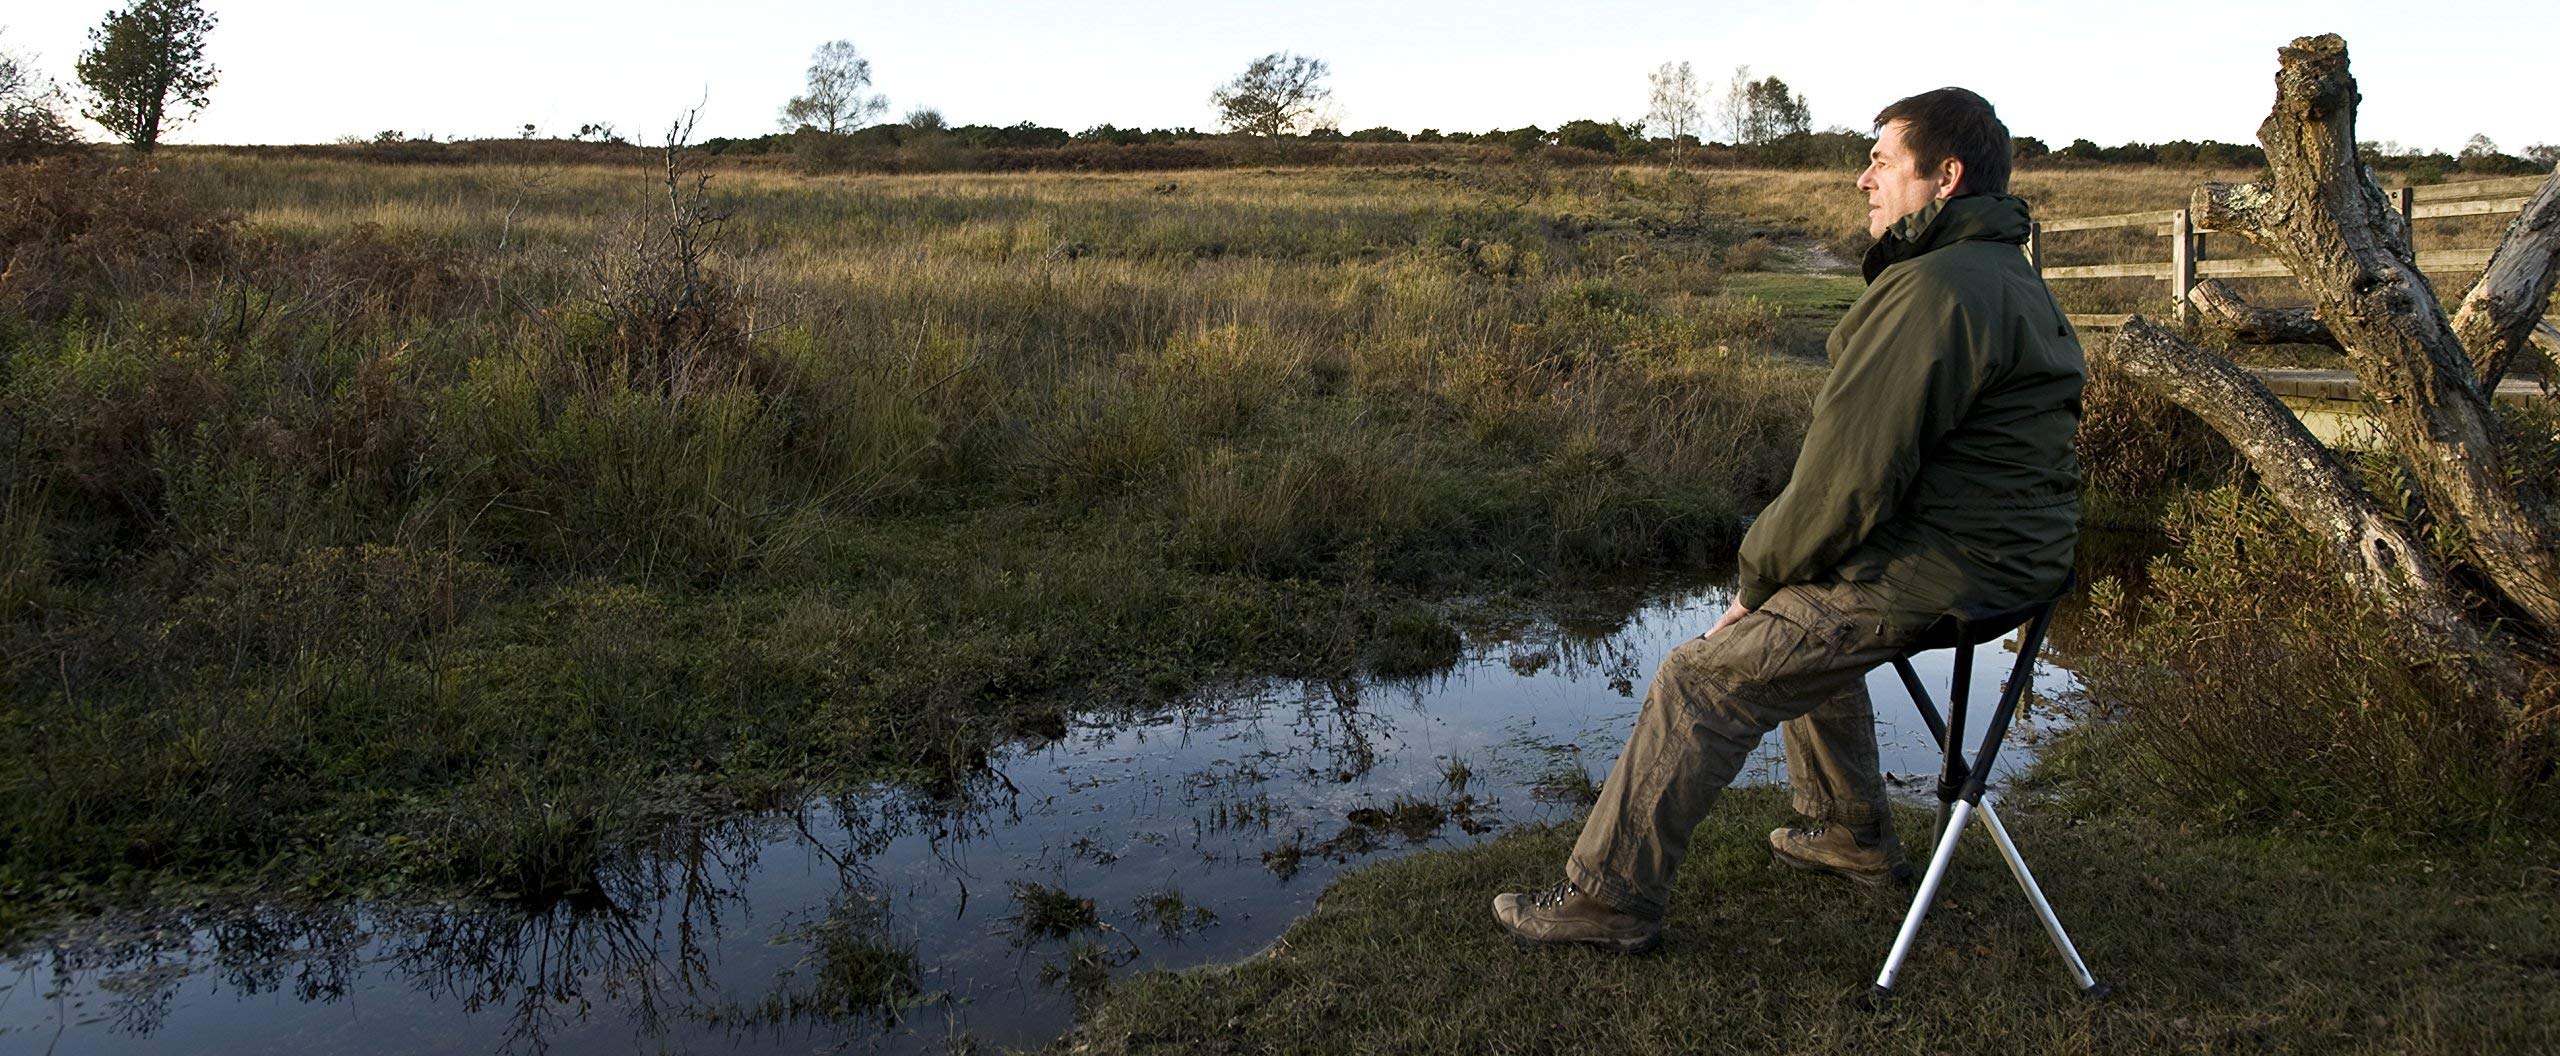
2189 263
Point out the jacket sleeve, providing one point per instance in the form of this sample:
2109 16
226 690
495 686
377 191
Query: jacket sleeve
1903 376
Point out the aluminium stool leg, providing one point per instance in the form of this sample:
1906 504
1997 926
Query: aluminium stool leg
1966 803
2089 984
1929 882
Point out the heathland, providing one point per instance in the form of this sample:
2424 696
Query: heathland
377 529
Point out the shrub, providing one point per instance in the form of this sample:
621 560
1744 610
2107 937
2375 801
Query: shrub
2250 686
74 229
672 319
32 123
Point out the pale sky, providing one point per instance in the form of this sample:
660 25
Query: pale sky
307 71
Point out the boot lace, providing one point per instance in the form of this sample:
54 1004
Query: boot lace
1551 897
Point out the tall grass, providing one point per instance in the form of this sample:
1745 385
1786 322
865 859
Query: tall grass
378 539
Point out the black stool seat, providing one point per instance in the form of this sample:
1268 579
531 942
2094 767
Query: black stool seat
1958 630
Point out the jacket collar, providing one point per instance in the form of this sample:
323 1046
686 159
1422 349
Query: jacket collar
1945 222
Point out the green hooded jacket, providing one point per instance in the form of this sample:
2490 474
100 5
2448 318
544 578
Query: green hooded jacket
1939 460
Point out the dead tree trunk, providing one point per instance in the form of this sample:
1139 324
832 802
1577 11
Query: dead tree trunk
2224 309
2349 248
2221 307
2379 557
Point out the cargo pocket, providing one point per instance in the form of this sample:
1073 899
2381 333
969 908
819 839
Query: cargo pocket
1800 635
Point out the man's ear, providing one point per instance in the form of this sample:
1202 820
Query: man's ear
1950 177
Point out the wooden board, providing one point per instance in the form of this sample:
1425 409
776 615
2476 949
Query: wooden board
2111 271
2499 188
2478 208
2092 223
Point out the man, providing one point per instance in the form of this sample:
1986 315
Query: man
1937 476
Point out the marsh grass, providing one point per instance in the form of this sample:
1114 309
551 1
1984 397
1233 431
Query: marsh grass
1041 911
369 548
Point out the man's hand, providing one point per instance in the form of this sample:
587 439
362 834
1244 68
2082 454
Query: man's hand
1735 613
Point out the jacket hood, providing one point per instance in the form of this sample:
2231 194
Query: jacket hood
1945 222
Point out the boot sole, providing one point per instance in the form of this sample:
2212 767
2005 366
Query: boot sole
1621 947
1888 878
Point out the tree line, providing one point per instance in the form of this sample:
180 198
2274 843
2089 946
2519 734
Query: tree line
145 74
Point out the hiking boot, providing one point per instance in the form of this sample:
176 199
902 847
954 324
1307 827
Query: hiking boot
1561 915
1872 859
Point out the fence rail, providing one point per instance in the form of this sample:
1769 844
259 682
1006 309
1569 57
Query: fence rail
2188 262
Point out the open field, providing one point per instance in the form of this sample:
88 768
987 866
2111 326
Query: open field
429 530
421 532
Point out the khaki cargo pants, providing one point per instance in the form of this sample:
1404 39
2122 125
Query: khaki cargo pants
1799 661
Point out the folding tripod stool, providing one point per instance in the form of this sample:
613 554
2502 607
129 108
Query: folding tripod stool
1960 784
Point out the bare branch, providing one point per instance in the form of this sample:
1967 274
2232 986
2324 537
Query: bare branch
2505 306
2222 308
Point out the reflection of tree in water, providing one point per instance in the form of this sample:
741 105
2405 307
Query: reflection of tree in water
1340 735
1620 651
640 941
139 959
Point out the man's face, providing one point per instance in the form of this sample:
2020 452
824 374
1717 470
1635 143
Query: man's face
1895 186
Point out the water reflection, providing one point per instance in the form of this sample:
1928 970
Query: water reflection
888 920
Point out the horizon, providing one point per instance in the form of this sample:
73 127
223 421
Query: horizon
295 71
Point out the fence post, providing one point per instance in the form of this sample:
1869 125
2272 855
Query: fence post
2407 199
2182 263
2035 246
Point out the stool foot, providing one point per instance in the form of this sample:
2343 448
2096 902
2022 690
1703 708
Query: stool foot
2097 992
1874 1000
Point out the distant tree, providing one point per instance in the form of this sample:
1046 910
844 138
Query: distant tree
1735 112
1273 96
145 65
1771 111
1380 134
2481 155
1674 109
2544 155
2083 150
1112 134
1525 140
2028 148
1586 134
1428 135
926 119
525 132
837 101
1607 137
31 119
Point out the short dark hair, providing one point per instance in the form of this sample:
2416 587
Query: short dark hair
1955 123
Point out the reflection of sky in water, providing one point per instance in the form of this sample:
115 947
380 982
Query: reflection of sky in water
1207 800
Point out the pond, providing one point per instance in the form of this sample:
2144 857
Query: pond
881 921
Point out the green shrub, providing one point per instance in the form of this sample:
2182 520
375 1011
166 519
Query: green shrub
2249 686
